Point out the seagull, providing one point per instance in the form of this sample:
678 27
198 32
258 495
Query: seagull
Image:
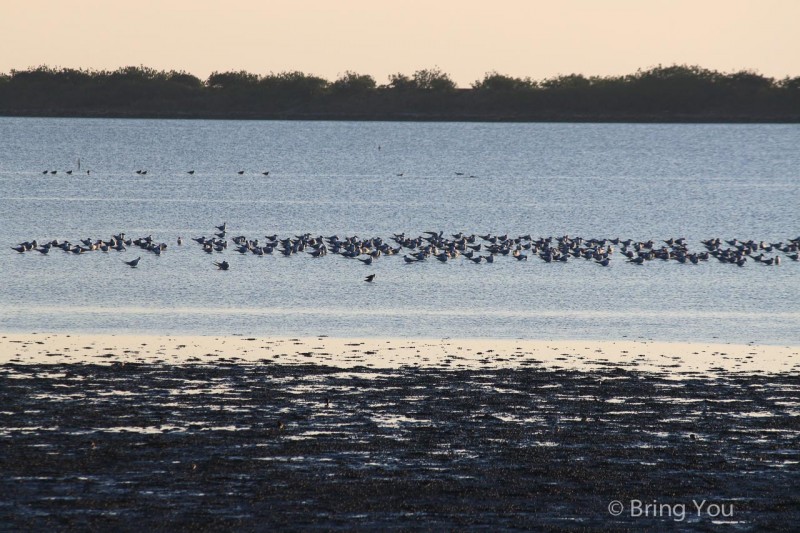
54 172
240 172
191 172
69 172
133 263
222 266
266 173
370 278
44 172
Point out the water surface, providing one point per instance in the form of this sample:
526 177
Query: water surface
639 181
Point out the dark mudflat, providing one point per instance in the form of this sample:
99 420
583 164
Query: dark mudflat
258 447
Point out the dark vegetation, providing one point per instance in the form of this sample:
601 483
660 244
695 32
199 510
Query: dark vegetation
675 93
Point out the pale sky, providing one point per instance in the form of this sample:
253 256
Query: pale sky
465 38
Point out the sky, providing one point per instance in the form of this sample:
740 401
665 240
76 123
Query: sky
464 38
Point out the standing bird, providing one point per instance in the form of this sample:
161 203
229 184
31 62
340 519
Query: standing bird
240 172
180 241
133 263
222 266
191 172
69 172
370 278
266 173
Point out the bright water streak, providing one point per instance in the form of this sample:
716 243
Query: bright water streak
592 180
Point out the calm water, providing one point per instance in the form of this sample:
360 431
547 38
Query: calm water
591 180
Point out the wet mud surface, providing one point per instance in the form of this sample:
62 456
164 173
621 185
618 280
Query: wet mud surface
255 447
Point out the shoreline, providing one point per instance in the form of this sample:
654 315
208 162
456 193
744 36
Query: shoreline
269 433
499 118
676 358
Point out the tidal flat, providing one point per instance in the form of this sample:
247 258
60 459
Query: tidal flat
254 445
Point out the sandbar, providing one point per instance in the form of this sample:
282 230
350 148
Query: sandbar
669 358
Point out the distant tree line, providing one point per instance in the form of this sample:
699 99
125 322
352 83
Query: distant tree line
672 93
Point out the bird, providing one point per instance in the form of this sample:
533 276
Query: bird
133 263
69 172
370 278
222 266
88 172
240 172
180 241
190 172
44 172
266 173
54 172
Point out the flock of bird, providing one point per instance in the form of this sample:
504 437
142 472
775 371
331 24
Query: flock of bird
485 248
436 246
143 172
119 243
